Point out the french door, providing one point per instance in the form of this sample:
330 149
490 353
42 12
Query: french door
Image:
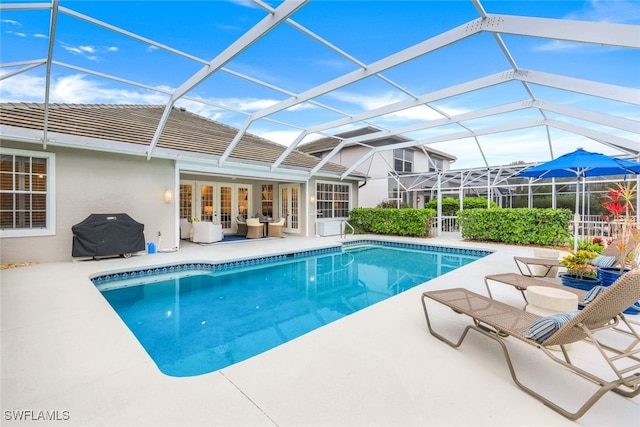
290 207
215 202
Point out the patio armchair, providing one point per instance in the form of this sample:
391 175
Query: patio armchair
255 229
242 226
603 315
185 229
206 232
275 228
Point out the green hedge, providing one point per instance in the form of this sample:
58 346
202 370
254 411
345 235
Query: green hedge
398 222
521 226
450 206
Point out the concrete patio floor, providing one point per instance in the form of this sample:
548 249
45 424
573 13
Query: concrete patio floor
64 349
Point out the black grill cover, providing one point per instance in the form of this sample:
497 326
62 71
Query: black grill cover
107 234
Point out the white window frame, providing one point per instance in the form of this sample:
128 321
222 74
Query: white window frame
404 158
50 229
319 200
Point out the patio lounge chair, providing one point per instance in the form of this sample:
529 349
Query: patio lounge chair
544 263
498 321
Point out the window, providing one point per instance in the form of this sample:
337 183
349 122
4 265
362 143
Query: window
403 160
333 200
437 163
26 193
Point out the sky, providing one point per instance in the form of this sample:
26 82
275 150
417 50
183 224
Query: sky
289 61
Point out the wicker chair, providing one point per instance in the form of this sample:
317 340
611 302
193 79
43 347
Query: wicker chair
242 226
275 228
255 229
498 321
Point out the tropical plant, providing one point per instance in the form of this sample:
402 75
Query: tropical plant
577 263
596 244
618 202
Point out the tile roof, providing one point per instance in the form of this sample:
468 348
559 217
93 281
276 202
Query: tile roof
136 124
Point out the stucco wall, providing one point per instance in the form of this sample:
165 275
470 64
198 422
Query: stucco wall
95 182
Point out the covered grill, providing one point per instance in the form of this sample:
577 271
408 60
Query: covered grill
107 234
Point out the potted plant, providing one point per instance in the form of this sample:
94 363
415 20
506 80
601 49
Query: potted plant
580 274
625 246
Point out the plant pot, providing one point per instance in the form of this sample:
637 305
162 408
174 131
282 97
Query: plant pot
608 275
584 283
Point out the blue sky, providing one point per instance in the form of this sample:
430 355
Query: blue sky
288 59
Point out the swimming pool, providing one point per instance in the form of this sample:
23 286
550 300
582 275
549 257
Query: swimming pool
197 318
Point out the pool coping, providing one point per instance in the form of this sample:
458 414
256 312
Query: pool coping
101 279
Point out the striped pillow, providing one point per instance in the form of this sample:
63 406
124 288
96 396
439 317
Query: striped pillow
593 293
603 261
546 326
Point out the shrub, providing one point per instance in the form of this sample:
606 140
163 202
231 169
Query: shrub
450 206
519 226
397 222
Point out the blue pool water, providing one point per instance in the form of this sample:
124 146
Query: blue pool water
198 318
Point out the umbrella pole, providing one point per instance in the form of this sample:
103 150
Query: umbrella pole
576 217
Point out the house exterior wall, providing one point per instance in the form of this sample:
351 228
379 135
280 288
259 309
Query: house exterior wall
377 167
96 182
311 220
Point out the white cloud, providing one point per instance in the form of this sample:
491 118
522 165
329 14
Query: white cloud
615 11
40 36
22 88
367 102
246 104
11 22
245 3
16 33
559 46
71 49
283 137
90 52
74 88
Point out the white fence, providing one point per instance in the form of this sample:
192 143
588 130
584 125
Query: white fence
590 226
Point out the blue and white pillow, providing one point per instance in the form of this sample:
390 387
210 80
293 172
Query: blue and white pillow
603 261
546 326
593 293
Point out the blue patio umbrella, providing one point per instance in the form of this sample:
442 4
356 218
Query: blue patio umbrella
581 164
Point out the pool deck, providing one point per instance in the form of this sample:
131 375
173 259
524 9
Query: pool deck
64 349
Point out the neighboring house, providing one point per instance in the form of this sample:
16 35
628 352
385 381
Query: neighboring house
100 159
391 174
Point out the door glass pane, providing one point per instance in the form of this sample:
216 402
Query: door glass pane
186 200
243 201
225 207
267 200
294 208
284 205
206 203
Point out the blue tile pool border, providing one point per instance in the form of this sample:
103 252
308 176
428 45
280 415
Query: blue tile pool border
186 267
